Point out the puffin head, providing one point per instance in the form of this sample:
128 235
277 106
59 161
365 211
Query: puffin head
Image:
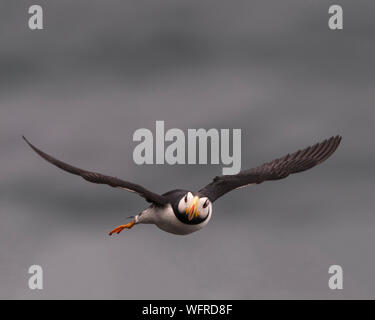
193 208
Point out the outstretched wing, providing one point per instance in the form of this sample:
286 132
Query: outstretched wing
277 169
95 177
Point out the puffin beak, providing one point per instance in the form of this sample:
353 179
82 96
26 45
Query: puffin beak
193 209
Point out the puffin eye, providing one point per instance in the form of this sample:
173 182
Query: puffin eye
205 204
186 198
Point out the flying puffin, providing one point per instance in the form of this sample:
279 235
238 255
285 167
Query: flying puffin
182 211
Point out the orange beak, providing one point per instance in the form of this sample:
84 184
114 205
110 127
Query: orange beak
192 210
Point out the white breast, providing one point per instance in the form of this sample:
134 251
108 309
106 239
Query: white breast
165 219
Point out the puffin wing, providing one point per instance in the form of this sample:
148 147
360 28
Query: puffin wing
277 169
99 178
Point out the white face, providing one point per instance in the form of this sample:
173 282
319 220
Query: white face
194 206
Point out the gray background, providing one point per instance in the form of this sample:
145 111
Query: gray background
102 69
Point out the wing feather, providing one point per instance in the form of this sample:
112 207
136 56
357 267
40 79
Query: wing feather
277 169
99 178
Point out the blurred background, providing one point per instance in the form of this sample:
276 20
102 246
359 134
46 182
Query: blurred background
102 69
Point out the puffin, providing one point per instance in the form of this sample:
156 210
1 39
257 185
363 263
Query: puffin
182 212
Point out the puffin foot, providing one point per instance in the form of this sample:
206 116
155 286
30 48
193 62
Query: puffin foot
122 227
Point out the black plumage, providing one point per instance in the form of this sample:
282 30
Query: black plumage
277 169
99 178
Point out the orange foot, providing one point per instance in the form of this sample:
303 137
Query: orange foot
122 227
